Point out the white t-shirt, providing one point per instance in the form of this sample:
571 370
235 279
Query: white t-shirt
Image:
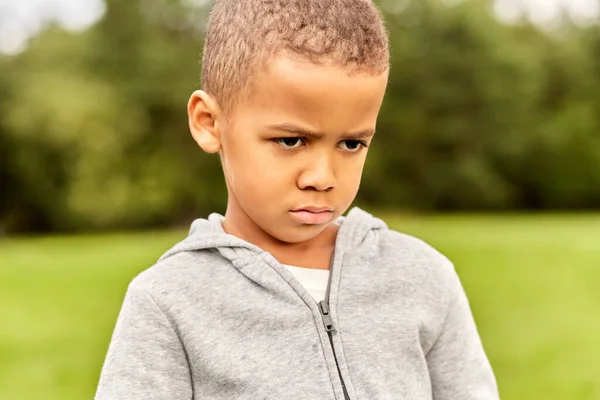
314 280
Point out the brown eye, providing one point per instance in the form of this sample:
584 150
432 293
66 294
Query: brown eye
289 142
352 145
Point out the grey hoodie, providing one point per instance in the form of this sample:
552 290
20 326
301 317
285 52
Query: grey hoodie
219 318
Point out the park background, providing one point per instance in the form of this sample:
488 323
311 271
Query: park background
488 147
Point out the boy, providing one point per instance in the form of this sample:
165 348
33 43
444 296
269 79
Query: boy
282 298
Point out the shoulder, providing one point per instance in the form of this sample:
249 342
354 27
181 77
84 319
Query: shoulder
171 278
411 248
417 261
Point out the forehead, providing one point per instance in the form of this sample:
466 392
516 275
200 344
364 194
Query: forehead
326 97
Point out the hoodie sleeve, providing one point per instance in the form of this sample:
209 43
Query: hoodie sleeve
145 359
458 366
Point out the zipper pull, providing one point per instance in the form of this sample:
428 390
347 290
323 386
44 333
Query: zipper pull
327 321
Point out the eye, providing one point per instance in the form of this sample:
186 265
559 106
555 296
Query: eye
352 145
289 142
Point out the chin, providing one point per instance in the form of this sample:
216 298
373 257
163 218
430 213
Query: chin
299 234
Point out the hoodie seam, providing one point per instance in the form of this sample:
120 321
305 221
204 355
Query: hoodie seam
442 324
216 241
175 330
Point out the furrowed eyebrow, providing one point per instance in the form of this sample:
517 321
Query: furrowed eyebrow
359 135
297 130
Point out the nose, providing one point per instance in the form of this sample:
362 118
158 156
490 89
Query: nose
318 174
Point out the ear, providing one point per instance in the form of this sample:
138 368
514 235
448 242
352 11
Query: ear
203 116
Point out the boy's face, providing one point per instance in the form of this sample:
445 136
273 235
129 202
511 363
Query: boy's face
294 151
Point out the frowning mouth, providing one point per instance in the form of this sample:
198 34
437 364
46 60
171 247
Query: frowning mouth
314 209
312 215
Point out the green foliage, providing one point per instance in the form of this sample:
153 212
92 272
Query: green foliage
478 115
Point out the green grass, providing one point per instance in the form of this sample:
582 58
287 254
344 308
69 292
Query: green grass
59 298
533 283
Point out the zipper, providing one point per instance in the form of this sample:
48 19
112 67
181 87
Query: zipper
328 322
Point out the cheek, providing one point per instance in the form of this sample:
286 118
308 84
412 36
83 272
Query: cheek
254 171
351 173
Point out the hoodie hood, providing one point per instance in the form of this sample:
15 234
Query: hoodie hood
356 231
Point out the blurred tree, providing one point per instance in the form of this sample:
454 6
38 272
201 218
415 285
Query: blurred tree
478 115
455 96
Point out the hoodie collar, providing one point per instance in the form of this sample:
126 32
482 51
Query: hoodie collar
356 230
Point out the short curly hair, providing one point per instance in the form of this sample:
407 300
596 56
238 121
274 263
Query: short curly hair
243 35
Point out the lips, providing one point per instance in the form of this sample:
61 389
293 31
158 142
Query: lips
312 215
314 209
